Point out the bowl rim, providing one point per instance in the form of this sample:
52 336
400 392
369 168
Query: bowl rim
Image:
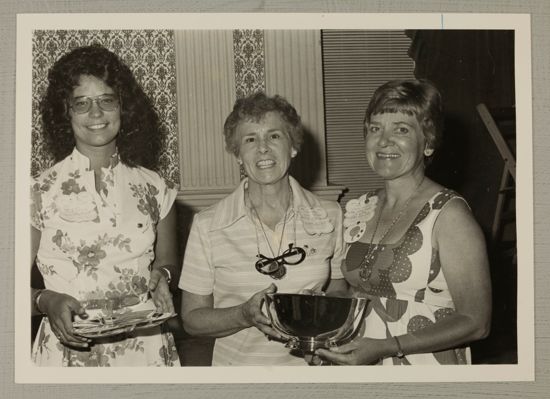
274 294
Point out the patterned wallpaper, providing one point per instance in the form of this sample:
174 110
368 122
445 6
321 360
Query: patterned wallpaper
249 56
148 53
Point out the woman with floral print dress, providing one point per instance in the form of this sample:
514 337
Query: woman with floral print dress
103 221
415 249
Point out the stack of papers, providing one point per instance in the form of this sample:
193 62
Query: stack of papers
100 326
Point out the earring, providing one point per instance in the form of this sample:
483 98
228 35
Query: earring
293 153
428 151
242 172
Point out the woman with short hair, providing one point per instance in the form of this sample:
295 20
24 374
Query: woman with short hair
269 234
415 250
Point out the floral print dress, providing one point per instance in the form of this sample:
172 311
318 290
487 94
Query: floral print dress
96 245
404 280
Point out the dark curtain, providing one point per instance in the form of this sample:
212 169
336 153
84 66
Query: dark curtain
472 67
468 67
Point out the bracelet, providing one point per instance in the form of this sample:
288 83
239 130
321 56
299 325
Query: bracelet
36 298
168 274
399 352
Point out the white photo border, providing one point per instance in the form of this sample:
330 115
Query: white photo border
524 370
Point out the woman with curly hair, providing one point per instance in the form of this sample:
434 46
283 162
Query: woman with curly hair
103 221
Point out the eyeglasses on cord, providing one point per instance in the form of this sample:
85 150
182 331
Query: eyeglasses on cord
275 267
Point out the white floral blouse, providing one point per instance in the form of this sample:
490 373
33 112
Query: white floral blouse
96 245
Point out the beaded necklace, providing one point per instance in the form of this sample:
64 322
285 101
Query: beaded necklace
365 268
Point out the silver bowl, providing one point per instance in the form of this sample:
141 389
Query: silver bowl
308 322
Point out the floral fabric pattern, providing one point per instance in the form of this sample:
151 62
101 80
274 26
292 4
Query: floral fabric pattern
98 245
407 289
135 350
147 203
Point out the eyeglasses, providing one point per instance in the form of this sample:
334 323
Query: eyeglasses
107 102
275 267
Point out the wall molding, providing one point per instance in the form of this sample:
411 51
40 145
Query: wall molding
197 200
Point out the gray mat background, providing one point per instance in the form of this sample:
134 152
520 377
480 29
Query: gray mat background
540 41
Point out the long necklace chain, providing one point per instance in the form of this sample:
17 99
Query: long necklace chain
365 271
263 230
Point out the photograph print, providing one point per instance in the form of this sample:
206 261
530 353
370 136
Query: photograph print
330 196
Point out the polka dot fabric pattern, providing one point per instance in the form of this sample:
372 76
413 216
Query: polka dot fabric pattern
401 267
405 283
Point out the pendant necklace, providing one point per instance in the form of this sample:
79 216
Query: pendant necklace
365 268
280 273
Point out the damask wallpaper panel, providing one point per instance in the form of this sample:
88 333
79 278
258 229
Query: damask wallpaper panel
249 59
149 54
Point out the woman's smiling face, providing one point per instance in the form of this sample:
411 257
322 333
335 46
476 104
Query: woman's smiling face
96 128
395 144
265 148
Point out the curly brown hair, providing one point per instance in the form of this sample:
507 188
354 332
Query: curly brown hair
139 138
